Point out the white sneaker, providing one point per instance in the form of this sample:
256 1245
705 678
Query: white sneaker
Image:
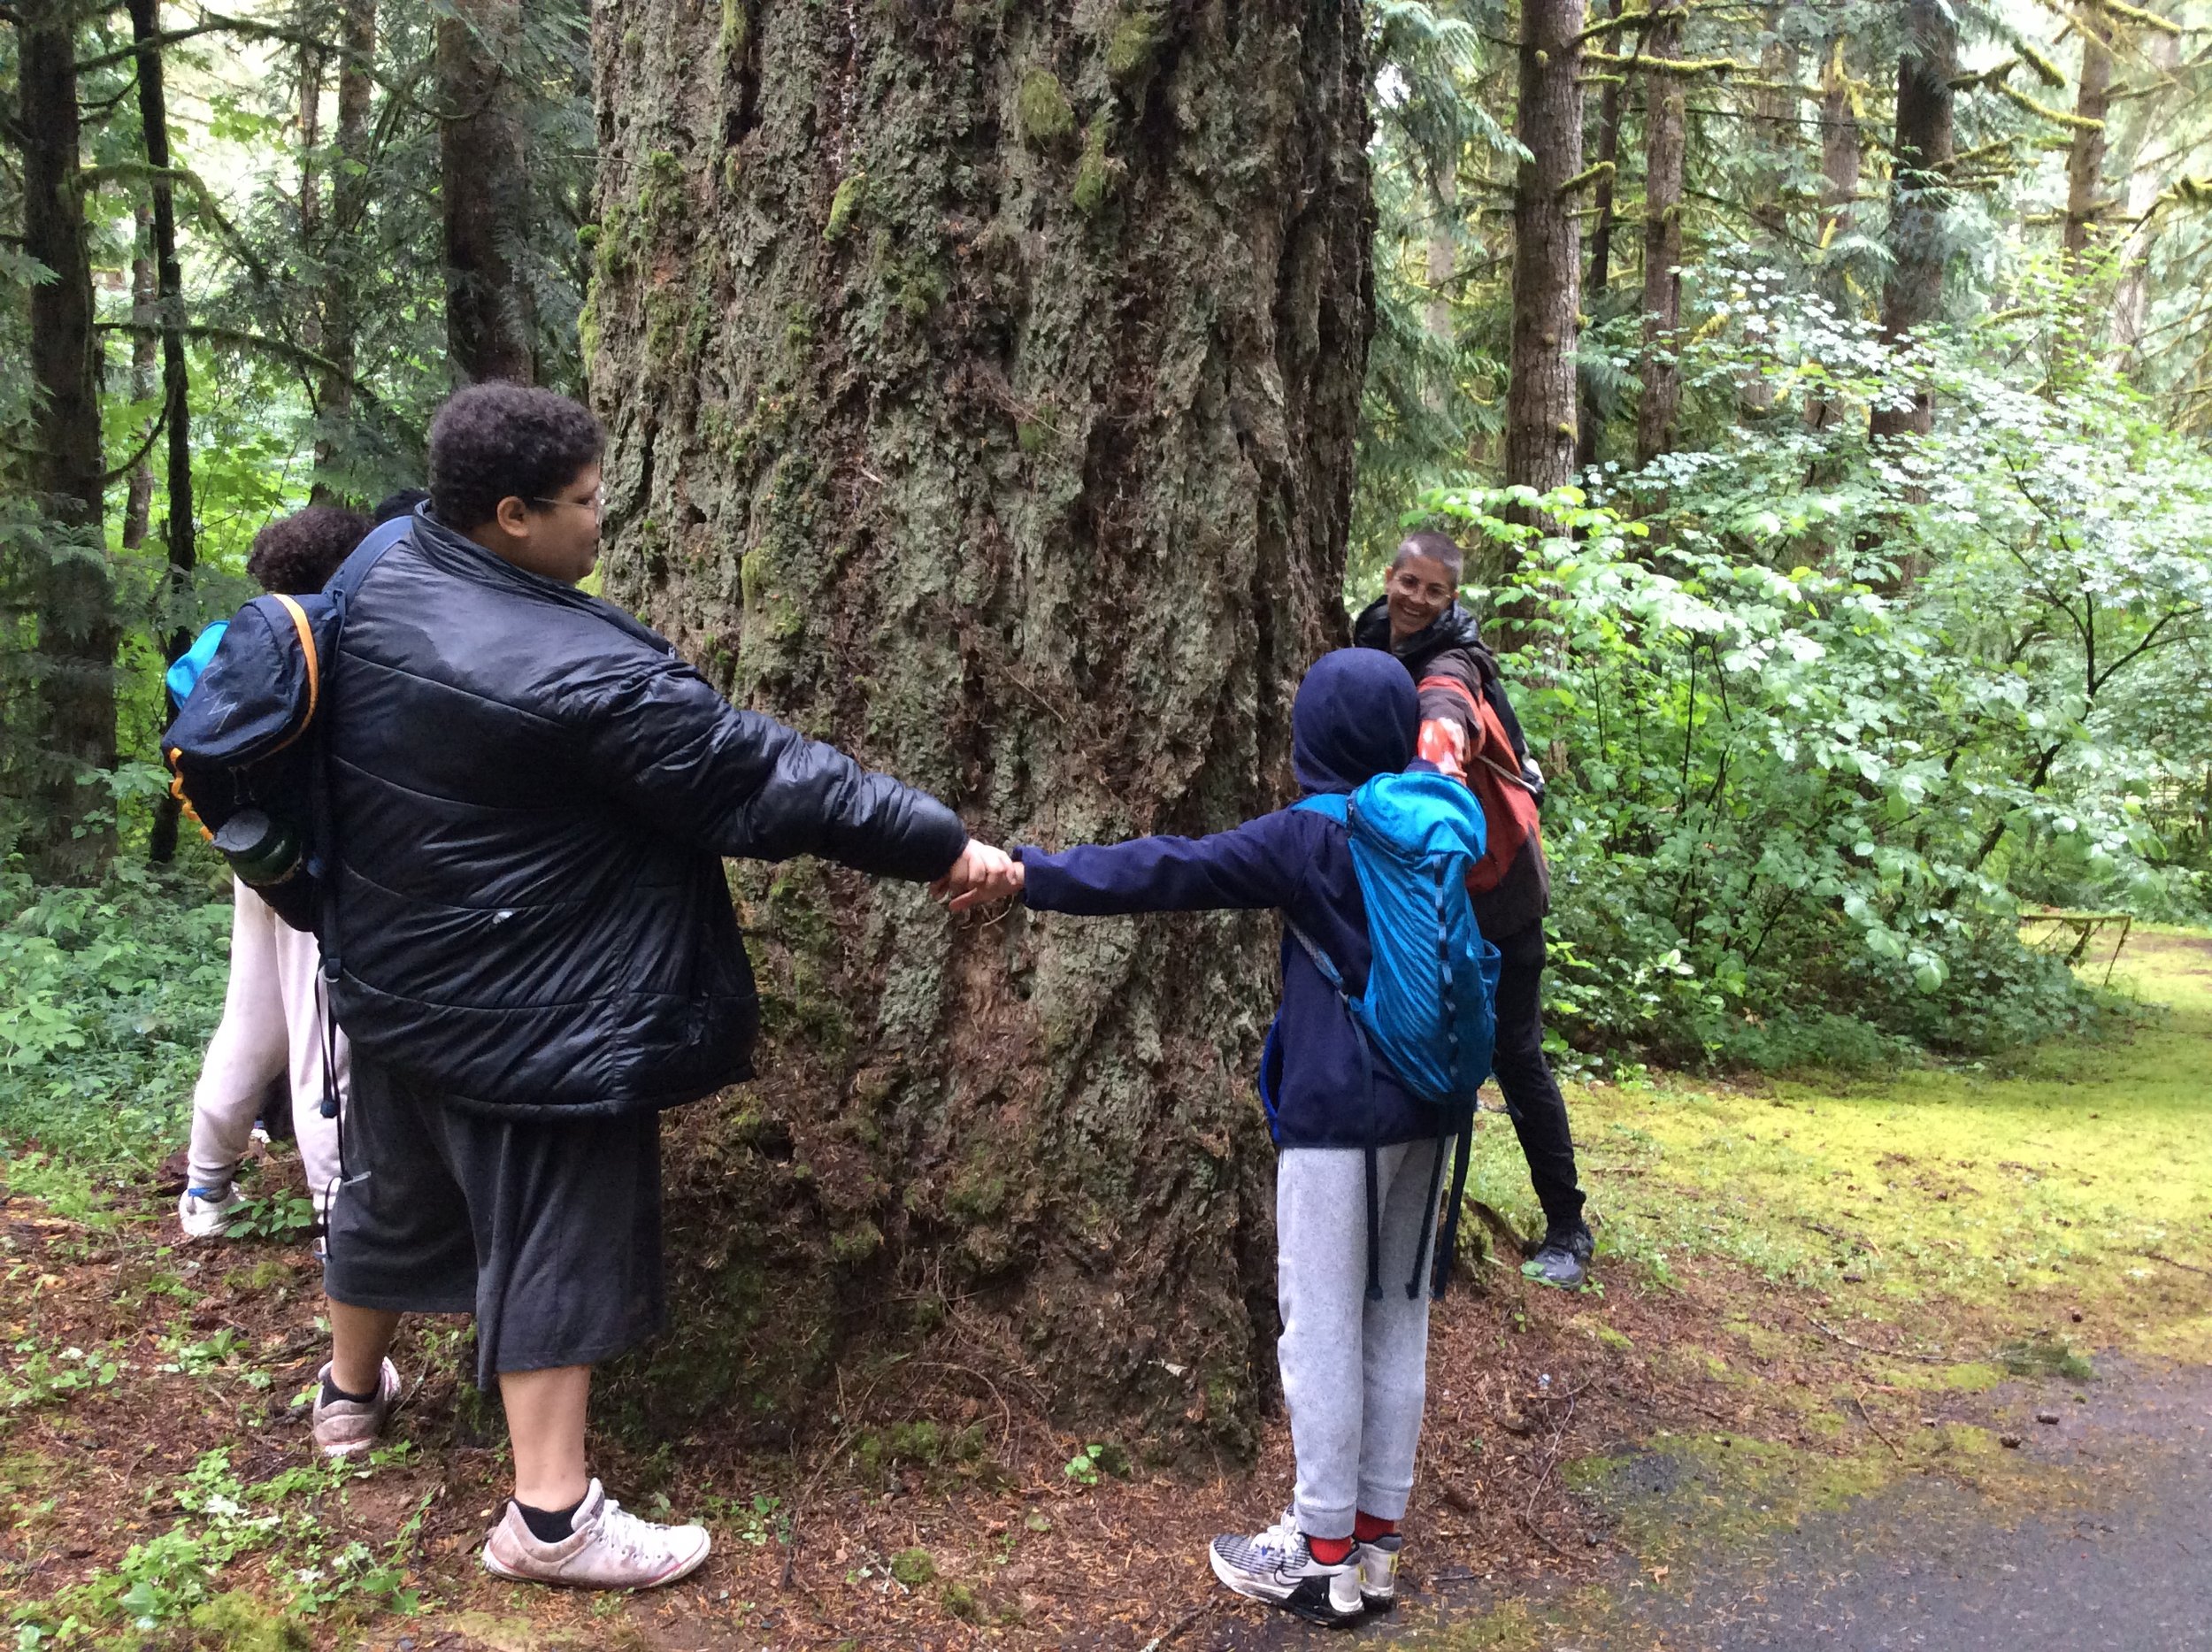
607 1547
204 1213
1278 1566
1377 1563
345 1428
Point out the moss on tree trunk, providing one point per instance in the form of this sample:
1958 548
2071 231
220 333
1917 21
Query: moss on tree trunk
982 388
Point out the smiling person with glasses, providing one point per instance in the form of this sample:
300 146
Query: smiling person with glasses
535 954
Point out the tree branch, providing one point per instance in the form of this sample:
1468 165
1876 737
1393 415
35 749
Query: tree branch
297 355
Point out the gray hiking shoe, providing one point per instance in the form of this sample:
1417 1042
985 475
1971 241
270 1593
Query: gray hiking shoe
343 1427
1563 1258
608 1548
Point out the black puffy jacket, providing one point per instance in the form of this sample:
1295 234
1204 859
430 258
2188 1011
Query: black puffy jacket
533 796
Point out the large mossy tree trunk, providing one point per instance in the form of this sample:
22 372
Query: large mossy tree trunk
982 385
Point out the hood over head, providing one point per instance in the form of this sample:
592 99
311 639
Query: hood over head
1356 716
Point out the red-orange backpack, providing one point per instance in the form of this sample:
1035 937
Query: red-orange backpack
1491 770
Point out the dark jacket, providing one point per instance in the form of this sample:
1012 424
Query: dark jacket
533 796
1355 718
1451 646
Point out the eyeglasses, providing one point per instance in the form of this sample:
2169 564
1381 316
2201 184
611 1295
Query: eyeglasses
597 505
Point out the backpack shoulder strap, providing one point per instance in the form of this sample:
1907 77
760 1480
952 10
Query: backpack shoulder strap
365 556
1335 805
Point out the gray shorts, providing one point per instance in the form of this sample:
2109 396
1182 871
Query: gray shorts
548 1231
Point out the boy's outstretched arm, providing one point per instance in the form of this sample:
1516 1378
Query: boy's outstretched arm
1256 864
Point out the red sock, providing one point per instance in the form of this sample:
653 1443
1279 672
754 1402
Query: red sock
1329 1551
1366 1528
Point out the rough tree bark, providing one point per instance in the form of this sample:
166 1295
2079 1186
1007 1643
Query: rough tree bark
1839 202
339 300
2085 148
1590 421
77 628
1920 195
1539 413
178 528
1665 119
1839 161
983 387
138 502
484 189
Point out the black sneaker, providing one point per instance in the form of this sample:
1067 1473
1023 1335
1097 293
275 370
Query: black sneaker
1278 1566
1563 1258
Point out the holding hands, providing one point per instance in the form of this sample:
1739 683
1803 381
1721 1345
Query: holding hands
980 876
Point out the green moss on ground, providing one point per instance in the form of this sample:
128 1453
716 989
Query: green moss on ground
2055 1183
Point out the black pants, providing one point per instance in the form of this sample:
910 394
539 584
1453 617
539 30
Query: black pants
1524 1077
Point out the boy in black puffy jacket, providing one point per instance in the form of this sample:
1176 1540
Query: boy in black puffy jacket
533 952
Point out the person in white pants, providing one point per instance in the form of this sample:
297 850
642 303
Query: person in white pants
274 1011
272 1030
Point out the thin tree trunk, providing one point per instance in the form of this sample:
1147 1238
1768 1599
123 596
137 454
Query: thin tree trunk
1839 154
313 241
77 628
180 529
1838 198
1590 423
1665 116
1539 433
485 191
1774 108
349 215
931 379
145 370
1774 121
2130 301
1920 198
1443 257
2085 149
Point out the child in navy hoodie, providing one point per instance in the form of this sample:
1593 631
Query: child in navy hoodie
1354 1361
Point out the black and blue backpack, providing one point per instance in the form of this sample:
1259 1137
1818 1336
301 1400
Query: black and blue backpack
246 752
1429 1012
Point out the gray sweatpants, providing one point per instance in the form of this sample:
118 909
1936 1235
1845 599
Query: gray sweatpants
1355 1372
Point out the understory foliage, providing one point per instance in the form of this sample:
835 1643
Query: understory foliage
1818 709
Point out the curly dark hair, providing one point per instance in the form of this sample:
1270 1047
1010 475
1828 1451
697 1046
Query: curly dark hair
299 553
493 442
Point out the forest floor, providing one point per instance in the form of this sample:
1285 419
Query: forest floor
1802 1408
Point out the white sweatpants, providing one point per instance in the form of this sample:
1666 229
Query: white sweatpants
1355 1372
272 1031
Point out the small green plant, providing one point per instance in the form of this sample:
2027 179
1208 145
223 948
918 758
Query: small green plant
1103 1457
282 1216
913 1567
196 1359
44 1376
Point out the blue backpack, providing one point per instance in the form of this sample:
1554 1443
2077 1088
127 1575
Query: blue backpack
1429 1012
245 750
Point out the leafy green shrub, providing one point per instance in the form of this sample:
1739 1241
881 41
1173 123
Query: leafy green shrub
107 998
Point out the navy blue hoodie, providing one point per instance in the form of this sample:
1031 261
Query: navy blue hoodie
1356 716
